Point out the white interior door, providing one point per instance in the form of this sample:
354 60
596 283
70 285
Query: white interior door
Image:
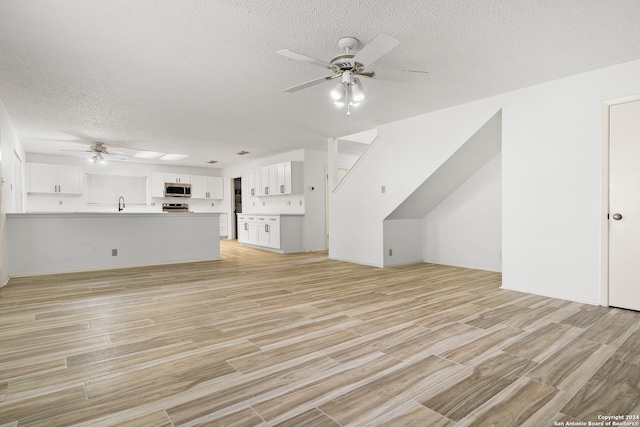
624 205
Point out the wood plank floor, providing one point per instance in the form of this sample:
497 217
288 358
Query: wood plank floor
263 339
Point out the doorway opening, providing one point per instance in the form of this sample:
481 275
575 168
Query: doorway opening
237 204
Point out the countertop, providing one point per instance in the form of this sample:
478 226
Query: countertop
109 214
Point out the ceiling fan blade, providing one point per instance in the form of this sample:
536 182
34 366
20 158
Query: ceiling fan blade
409 76
376 49
304 58
310 83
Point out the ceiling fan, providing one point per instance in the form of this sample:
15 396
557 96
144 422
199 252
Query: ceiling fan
98 150
348 66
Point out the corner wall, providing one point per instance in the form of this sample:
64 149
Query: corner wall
465 230
10 145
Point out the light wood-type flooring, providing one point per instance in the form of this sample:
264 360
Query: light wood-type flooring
263 339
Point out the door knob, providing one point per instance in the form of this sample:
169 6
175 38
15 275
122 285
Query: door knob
617 216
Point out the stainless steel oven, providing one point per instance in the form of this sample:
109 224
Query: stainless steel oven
175 207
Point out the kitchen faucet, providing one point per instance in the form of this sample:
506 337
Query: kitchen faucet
121 204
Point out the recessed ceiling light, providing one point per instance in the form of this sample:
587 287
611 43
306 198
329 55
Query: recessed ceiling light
242 153
170 156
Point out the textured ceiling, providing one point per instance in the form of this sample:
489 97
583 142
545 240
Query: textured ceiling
201 77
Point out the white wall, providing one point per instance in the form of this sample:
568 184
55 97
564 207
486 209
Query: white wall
55 243
552 182
314 190
552 212
466 228
9 146
402 241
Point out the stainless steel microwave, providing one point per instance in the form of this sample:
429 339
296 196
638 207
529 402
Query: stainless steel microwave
172 189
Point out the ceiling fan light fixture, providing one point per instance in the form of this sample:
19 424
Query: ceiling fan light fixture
357 92
97 158
337 93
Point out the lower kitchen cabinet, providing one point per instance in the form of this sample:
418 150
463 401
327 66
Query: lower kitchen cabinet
268 231
281 233
247 229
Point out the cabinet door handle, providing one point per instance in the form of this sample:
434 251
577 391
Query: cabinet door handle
246 226
253 191
266 228
282 188
266 190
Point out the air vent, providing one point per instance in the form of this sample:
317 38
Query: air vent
242 153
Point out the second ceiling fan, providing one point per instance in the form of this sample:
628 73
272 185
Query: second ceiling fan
347 67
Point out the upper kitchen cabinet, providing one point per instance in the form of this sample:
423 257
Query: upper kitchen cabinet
277 179
177 178
157 184
207 187
267 180
253 182
47 178
289 178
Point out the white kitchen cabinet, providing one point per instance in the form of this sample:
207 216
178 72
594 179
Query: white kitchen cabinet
157 184
252 182
247 229
48 178
267 180
289 178
268 231
177 178
276 179
281 233
207 187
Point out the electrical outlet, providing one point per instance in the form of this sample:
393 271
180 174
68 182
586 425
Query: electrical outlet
300 202
383 189
212 204
114 252
152 203
390 252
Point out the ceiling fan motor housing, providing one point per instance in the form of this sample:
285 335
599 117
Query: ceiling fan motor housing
345 61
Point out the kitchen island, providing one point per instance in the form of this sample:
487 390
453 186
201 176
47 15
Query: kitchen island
42 243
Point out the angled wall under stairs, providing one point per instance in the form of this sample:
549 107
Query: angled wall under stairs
410 235
412 166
